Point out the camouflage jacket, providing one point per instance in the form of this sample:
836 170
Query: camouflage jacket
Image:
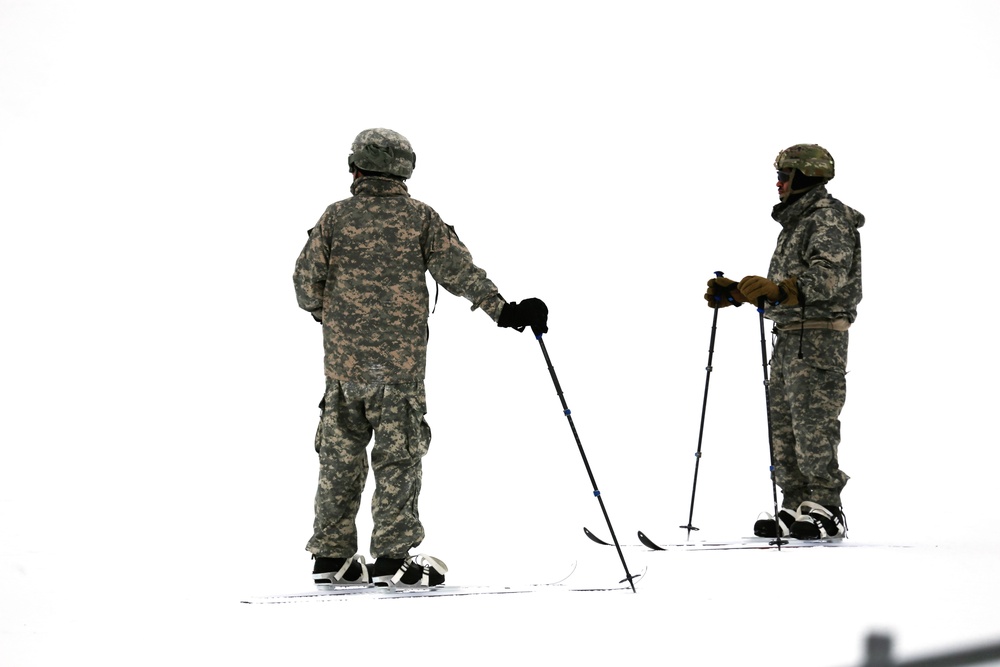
362 272
820 245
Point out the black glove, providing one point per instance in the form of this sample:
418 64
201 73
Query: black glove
529 313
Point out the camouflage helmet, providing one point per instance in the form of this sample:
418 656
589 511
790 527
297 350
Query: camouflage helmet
810 159
383 151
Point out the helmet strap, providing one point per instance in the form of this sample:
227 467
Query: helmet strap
809 184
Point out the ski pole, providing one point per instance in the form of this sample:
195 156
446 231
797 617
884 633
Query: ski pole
770 433
579 445
704 405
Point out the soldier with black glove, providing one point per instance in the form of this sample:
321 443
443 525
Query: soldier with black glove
362 274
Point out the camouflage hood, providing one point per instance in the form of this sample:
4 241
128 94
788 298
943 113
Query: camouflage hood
788 212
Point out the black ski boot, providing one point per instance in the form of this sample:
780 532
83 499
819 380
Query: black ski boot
819 522
769 527
418 571
328 572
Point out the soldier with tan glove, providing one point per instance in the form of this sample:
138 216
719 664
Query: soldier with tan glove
811 294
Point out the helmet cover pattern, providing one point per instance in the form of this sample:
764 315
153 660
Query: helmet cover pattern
810 159
384 151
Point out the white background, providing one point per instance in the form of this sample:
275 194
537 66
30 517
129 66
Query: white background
160 164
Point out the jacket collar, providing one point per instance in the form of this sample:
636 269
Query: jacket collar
788 211
379 186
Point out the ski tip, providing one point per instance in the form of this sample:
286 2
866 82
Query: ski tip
572 569
649 543
595 538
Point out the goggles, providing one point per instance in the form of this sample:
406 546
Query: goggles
784 176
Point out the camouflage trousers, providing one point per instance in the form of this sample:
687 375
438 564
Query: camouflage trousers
352 413
806 396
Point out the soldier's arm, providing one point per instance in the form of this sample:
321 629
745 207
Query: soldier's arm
829 254
450 264
311 270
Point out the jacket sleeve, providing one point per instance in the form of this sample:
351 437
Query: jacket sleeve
312 267
829 254
450 264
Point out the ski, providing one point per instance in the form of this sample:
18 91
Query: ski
373 591
391 593
743 543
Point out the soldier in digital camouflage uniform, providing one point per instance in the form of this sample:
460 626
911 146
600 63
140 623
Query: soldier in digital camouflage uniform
362 275
811 294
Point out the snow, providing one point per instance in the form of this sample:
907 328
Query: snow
160 169
716 607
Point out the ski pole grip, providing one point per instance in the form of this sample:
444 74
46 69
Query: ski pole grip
718 274
730 299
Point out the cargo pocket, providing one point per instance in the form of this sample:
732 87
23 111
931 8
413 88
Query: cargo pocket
319 427
418 437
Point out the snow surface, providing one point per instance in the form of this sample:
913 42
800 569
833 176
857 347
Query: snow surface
162 163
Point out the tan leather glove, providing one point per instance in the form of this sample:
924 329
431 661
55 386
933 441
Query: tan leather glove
785 293
722 292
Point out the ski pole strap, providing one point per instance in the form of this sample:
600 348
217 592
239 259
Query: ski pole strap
838 324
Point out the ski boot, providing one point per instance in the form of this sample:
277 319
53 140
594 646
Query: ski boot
818 522
420 571
331 572
782 527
